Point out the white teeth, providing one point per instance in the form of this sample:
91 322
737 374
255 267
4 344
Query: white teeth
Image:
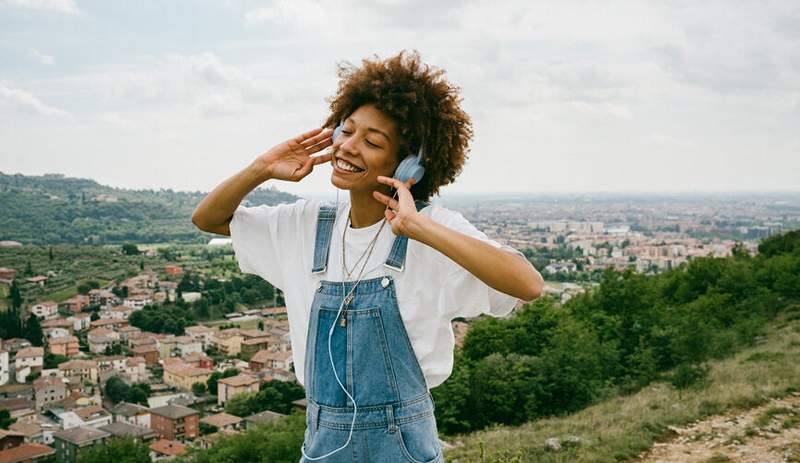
344 165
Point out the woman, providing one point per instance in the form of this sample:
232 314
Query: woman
371 285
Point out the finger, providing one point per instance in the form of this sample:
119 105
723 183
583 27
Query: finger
322 159
385 199
310 133
390 181
306 169
326 133
319 146
389 215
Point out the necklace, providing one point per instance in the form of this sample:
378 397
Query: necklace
367 252
369 248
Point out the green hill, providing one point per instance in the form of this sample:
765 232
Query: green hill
54 209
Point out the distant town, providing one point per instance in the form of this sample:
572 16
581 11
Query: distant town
80 372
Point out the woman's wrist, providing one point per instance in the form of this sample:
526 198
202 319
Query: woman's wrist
259 171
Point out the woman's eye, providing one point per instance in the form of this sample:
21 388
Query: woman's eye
371 144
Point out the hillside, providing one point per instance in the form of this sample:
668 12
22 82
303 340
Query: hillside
732 417
54 209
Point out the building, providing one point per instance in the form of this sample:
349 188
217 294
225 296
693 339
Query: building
102 338
137 301
175 422
201 333
81 321
27 361
45 310
166 450
148 352
227 342
67 346
71 442
252 345
48 389
80 370
228 388
183 376
57 327
76 303
122 429
134 414
267 416
27 453
7 275
223 421
4 367
103 298
174 270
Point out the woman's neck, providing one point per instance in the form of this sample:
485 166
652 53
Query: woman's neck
365 210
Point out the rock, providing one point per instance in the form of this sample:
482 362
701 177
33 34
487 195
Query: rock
572 441
553 444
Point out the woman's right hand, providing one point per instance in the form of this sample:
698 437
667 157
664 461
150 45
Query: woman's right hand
291 160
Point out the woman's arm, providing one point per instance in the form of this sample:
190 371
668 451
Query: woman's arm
289 160
504 271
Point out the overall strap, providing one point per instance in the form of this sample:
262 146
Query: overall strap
397 256
325 219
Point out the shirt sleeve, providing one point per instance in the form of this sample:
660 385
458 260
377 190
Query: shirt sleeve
463 294
263 238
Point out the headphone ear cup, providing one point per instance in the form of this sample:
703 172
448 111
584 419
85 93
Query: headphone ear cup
336 132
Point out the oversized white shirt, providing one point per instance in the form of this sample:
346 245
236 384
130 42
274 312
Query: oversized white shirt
277 244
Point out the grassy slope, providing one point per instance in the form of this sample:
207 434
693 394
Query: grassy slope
621 428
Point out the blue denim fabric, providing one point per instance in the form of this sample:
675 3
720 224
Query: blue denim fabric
376 363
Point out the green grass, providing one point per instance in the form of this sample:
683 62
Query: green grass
621 428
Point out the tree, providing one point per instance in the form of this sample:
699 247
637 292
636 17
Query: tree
15 296
117 390
118 450
198 388
50 253
130 249
216 376
33 331
5 419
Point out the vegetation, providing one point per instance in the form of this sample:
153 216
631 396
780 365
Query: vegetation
548 360
53 209
273 395
118 450
275 442
211 384
5 419
119 391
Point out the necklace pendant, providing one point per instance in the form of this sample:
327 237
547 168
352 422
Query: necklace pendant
343 321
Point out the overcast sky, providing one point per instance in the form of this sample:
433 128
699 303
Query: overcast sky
564 96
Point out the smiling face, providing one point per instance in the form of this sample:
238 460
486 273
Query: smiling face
366 148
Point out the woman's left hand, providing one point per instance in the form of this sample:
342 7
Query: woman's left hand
401 212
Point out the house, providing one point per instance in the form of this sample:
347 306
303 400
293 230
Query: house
27 453
79 370
4 367
27 361
125 430
7 275
9 439
174 270
48 389
198 359
76 303
136 369
137 301
267 416
134 414
279 360
103 298
223 421
260 360
228 388
166 450
45 310
227 342
38 279
148 352
102 338
92 416
57 327
71 442
183 376
175 422
252 345
33 432
66 345
21 408
201 333
119 312
80 321
126 332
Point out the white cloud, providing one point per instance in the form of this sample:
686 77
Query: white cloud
42 58
20 100
63 6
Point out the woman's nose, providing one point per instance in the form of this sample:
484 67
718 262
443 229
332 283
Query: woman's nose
349 144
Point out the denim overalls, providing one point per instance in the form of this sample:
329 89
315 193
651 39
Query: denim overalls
375 362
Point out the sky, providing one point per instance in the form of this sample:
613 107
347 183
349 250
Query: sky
568 96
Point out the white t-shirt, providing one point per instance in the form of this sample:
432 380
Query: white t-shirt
277 243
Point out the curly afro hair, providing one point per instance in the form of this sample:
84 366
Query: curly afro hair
425 107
